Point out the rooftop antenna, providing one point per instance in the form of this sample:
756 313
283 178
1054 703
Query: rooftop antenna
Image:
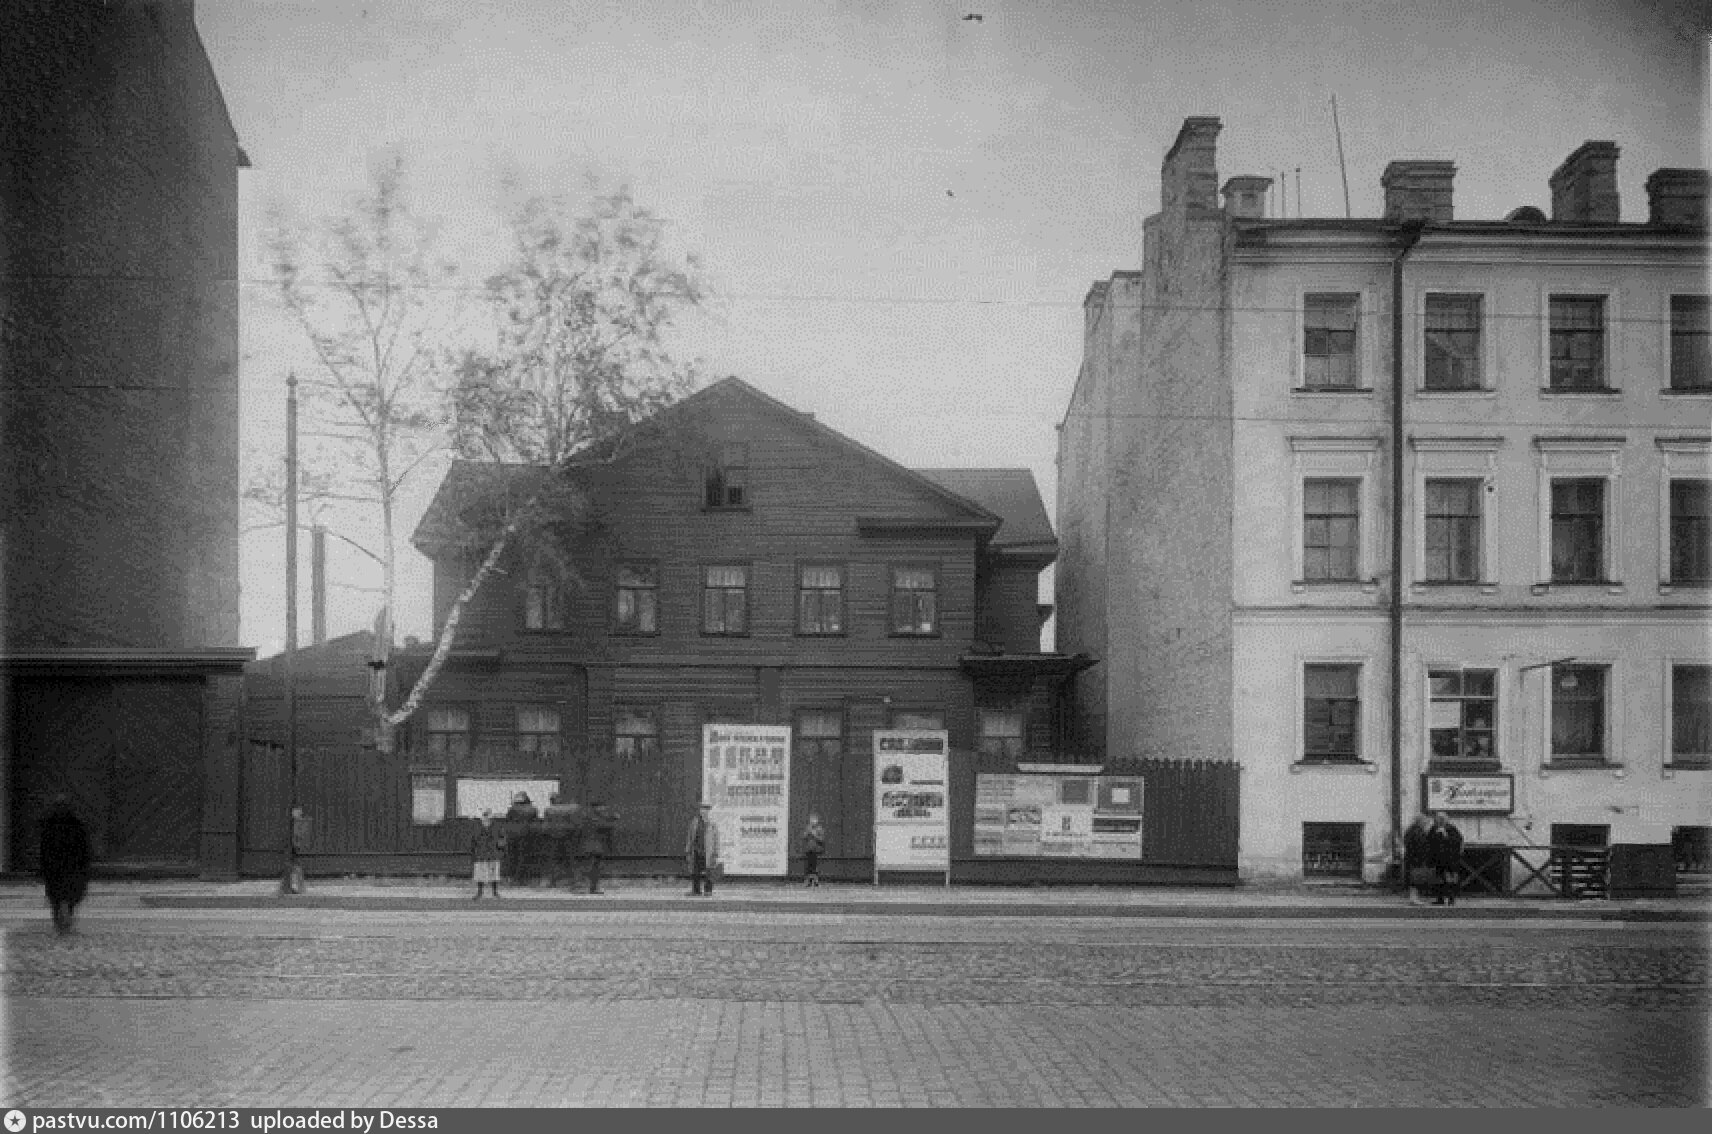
1298 192
1343 171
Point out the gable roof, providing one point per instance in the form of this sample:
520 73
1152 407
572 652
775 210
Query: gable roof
1010 494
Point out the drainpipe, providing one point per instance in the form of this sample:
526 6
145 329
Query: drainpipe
1407 236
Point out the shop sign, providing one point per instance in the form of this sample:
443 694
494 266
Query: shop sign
1469 795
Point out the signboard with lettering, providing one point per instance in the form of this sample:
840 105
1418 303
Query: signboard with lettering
1493 794
912 813
1058 816
746 775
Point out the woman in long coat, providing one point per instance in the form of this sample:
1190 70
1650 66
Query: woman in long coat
1444 855
65 861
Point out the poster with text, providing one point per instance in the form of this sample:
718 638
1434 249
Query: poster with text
1067 816
912 816
746 775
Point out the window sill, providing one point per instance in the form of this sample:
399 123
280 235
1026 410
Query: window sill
1472 392
914 634
543 630
725 633
1464 768
1367 586
1312 390
727 508
1680 765
635 633
1611 586
1485 587
1581 391
1589 765
1674 585
822 634
1356 765
1686 391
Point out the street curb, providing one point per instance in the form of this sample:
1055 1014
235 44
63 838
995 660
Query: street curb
926 909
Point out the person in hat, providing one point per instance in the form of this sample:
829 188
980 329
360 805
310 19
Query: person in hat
701 850
520 820
521 810
485 847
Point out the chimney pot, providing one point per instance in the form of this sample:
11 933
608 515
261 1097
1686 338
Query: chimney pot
1245 196
1584 188
1678 197
1418 190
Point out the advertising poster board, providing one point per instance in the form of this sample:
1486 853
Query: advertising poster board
1058 816
912 814
746 775
1469 795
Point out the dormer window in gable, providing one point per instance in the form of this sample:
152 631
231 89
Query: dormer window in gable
727 486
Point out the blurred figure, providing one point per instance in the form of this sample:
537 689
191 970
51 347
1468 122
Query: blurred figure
1417 875
701 850
813 845
1444 855
65 861
485 846
599 827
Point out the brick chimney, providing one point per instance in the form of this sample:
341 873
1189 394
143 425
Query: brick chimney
1584 188
1418 190
1677 196
1246 196
1189 176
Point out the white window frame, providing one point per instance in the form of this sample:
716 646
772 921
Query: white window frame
1488 387
1349 458
1591 458
1500 694
1366 340
1366 700
1681 458
1613 320
1667 754
1454 458
1613 717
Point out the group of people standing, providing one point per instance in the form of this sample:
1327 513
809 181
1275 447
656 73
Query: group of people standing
575 835
1432 859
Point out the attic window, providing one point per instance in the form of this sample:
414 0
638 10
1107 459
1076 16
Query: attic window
728 479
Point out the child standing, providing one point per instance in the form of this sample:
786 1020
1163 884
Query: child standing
813 843
485 846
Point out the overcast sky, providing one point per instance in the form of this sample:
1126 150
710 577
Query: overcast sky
900 209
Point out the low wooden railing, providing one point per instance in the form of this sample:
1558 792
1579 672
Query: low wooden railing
1562 871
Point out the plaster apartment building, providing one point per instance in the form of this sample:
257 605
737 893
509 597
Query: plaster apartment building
1404 512
120 669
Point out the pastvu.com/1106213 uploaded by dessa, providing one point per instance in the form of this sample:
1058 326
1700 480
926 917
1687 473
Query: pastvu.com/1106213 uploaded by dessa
360 1122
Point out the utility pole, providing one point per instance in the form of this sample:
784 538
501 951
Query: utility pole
292 882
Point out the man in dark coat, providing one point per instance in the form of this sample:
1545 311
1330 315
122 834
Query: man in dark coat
65 861
599 827
1444 855
1415 857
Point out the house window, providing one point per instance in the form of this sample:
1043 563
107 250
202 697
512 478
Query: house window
637 602
1331 529
1331 850
725 600
820 735
1690 342
1691 848
427 798
1691 715
543 601
447 732
820 600
728 479
1001 734
1578 713
537 731
1577 342
635 734
1331 713
1453 529
1463 716
1328 342
915 600
1453 342
1690 531
1578 530
916 718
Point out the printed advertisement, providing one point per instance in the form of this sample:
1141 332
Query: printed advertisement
1058 816
912 819
746 775
1469 795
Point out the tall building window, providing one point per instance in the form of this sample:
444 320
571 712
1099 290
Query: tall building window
1463 716
1691 715
725 600
820 735
637 599
543 601
1690 342
1690 531
820 599
1331 850
1452 346
1578 530
1453 529
1001 733
446 732
1577 342
1331 529
1329 342
635 733
1331 713
728 478
915 600
537 731
1578 713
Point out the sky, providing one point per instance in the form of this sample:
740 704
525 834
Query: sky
899 208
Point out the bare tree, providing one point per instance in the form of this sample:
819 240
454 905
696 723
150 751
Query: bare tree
575 375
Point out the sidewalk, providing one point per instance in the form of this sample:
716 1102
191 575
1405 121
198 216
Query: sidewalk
445 895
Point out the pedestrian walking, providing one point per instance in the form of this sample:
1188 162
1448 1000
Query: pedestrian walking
65 858
1444 856
485 847
599 827
813 845
562 825
701 850
301 831
1417 875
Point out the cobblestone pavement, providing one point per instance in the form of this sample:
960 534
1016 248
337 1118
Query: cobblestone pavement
664 1009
